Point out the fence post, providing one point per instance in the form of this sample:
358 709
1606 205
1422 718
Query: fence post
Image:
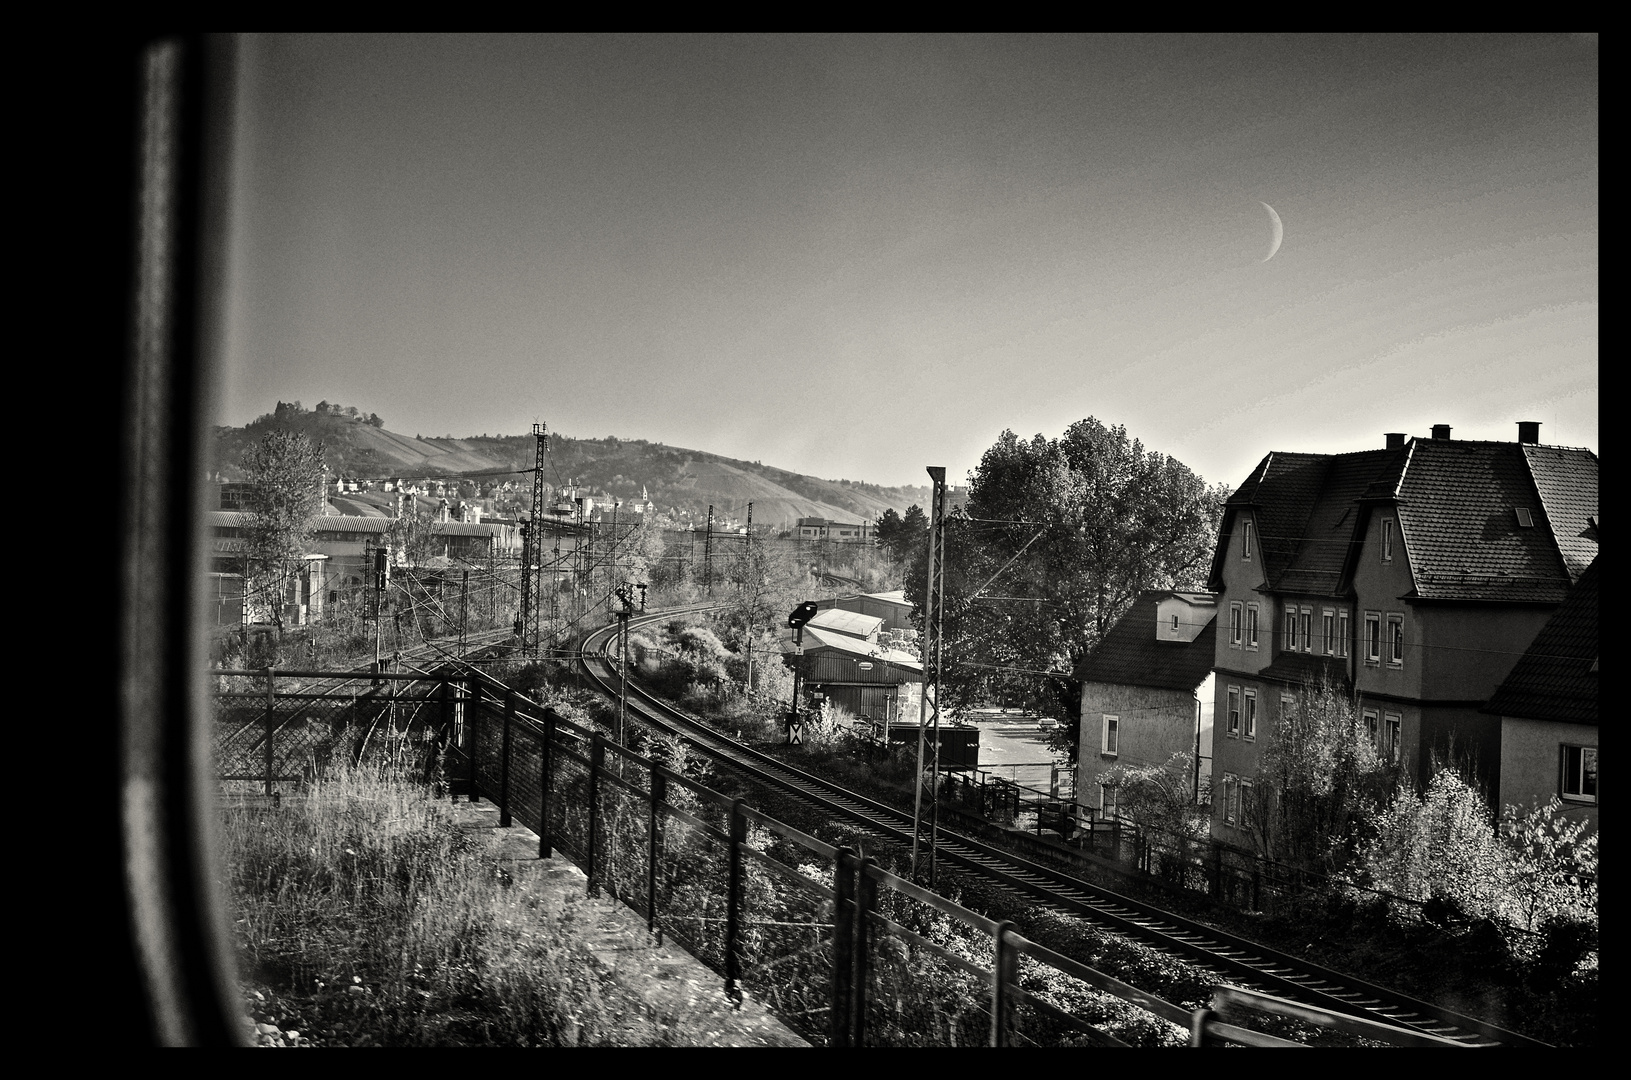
659 793
597 754
271 727
1004 966
733 900
504 763
472 736
843 946
544 848
866 900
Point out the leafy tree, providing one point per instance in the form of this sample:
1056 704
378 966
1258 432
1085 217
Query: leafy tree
1075 528
1162 796
285 470
888 530
1322 779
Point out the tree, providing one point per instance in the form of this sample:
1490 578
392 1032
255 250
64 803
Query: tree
285 470
1322 781
1066 532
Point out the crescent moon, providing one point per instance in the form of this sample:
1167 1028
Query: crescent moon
1279 232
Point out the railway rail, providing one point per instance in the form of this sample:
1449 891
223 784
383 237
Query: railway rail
1226 957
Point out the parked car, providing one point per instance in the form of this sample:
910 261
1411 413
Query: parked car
1047 723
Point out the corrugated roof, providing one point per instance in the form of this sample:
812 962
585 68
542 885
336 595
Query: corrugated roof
815 638
1556 678
852 623
1129 653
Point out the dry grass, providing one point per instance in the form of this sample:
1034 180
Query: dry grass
368 918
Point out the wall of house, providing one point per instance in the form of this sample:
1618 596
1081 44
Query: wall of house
1531 763
1243 583
1468 649
1463 737
1153 725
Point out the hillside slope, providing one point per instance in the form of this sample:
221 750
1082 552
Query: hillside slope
679 481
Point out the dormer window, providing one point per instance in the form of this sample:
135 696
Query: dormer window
1246 540
1387 539
1526 520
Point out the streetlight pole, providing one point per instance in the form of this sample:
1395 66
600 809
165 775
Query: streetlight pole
934 595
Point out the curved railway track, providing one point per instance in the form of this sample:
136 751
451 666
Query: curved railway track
1225 956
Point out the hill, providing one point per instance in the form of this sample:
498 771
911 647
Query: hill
679 481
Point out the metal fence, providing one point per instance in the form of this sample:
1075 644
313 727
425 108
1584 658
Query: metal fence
839 949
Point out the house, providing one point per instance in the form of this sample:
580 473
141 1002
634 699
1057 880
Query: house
1146 689
870 681
844 532
1413 576
305 587
1547 707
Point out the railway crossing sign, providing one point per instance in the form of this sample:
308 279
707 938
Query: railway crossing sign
795 734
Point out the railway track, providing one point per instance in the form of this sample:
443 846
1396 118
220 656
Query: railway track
1225 957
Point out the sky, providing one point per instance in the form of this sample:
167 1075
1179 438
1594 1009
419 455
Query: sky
855 256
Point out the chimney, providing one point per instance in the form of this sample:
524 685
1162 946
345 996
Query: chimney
1529 431
1395 439
1441 431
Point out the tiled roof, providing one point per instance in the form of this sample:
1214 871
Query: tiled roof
1296 669
1321 549
1130 655
1555 678
1457 508
1567 482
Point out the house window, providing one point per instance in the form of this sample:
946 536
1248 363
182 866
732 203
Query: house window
1251 714
1231 797
1246 540
1112 725
1291 629
1370 724
1234 625
1175 624
1342 633
1247 813
1393 726
1395 640
1328 624
1306 629
1373 637
1580 773
1387 539
1107 799
1234 712
1251 626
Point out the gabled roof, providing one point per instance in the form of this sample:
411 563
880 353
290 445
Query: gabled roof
815 639
1456 502
1129 653
1556 678
1457 505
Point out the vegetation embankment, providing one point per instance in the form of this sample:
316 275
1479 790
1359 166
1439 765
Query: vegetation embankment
365 917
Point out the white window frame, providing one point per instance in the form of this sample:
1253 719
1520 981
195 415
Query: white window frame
1251 627
1306 628
1175 622
1232 718
1395 640
1342 632
1573 774
1373 637
1328 631
1234 624
1231 790
1373 726
1247 787
1246 540
1110 735
1248 720
1387 539
1393 724
1290 632
1107 800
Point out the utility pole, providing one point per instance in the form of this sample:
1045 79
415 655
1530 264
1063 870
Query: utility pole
531 542
934 596
708 555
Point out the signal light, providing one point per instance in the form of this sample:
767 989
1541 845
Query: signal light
802 614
